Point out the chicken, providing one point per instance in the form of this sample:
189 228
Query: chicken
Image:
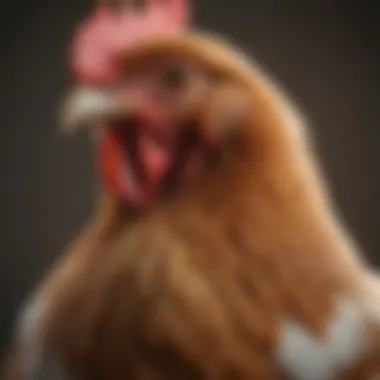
215 252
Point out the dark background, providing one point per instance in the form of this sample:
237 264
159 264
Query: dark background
325 53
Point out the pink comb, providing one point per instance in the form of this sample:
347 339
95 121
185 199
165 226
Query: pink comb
113 27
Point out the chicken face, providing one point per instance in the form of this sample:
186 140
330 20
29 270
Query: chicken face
161 125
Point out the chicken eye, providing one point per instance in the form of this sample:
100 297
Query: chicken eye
174 77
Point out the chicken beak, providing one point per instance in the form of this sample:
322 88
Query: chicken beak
86 106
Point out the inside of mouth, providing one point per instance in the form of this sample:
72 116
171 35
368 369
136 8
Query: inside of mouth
170 163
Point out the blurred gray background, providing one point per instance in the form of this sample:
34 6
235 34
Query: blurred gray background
326 54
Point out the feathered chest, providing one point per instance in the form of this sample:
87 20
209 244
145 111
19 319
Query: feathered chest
193 300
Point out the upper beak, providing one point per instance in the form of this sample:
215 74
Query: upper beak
86 105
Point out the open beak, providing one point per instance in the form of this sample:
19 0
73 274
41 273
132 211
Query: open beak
136 148
86 106
142 151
